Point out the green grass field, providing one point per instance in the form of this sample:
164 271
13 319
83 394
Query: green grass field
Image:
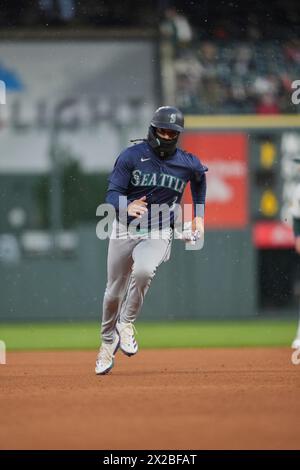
191 334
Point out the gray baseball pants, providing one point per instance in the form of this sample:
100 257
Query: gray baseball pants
131 265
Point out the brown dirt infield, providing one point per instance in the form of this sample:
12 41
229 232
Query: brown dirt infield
167 399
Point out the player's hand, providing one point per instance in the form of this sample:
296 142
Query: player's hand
198 225
193 231
197 229
137 208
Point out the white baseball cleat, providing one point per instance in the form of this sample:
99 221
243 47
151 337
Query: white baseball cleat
128 344
105 357
296 343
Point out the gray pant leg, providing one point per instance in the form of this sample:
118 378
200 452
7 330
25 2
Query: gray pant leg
119 264
147 256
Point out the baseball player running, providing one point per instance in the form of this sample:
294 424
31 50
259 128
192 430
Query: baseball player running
147 174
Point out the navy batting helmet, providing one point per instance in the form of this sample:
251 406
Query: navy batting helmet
166 118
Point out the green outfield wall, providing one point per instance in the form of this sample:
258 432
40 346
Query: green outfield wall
214 282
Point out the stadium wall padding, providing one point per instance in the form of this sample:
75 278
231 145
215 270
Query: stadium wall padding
215 282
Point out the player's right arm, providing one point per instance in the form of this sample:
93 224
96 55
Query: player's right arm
119 181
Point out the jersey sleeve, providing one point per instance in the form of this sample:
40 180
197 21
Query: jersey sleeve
119 178
198 187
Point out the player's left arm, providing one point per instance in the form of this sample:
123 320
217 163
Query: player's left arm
198 190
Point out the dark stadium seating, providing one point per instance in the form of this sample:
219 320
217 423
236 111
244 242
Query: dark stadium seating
237 77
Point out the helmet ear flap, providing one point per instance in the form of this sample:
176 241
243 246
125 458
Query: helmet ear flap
152 138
